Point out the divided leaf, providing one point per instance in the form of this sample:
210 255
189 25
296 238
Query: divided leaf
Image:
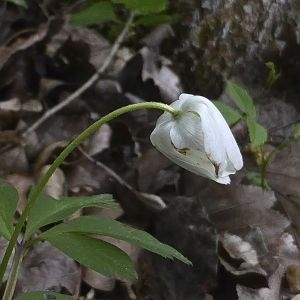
48 210
241 98
8 204
115 229
231 116
93 253
94 14
145 6
258 134
43 295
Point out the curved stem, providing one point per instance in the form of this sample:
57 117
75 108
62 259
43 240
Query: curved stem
58 161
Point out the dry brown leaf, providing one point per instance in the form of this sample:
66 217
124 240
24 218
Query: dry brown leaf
22 43
97 45
293 278
150 164
46 268
98 281
237 208
14 161
55 186
273 292
99 141
164 78
23 184
45 156
13 104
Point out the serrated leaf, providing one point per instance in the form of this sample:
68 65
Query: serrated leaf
43 295
48 210
231 116
296 133
145 6
115 229
19 2
258 134
94 14
93 253
241 98
8 204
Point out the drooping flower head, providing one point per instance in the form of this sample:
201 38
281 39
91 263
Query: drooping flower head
198 139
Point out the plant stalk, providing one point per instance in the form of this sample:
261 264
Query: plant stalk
13 276
33 196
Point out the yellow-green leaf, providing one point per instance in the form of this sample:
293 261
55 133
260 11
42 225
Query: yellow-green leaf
258 134
94 14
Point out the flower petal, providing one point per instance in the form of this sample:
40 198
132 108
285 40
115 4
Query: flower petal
191 160
232 150
187 132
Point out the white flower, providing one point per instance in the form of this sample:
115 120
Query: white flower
198 139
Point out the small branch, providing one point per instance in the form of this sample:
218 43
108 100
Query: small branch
87 84
108 170
151 200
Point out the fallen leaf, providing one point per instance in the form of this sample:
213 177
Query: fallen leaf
46 268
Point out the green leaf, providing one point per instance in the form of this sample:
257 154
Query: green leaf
93 253
144 6
231 116
258 134
48 210
152 20
19 2
43 295
94 14
8 204
273 76
115 229
241 98
296 134
256 179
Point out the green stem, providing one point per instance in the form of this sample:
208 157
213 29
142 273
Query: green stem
268 158
58 161
13 276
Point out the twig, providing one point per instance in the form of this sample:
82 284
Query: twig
87 84
108 170
151 200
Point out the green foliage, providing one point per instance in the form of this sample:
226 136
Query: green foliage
94 14
273 76
144 6
231 116
258 134
103 11
152 20
296 133
108 227
8 205
93 253
241 98
19 2
48 210
43 296
256 179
